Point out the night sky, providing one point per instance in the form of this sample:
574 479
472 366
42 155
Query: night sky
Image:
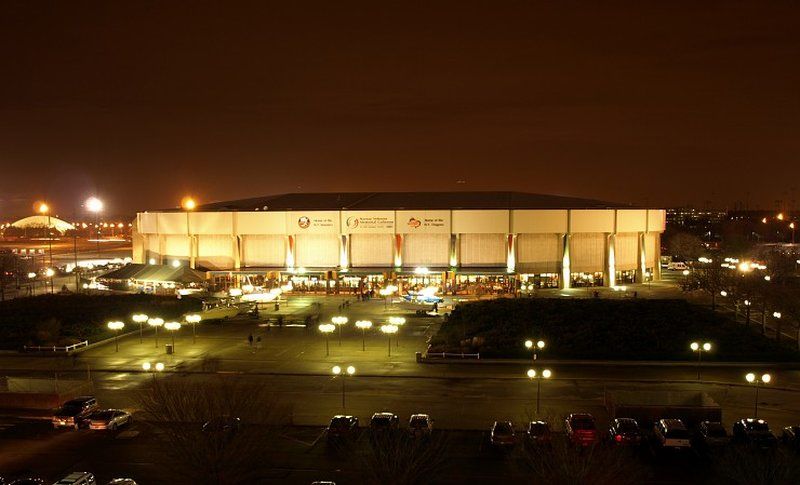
660 103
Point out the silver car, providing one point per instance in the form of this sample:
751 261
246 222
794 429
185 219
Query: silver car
109 419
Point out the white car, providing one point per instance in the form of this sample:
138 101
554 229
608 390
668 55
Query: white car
671 433
109 419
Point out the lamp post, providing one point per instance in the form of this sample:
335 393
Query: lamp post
50 273
545 374
153 368
327 329
535 346
364 325
116 326
697 347
389 329
140 318
755 380
194 319
343 373
155 323
95 206
747 304
172 327
188 204
339 321
44 209
777 316
399 322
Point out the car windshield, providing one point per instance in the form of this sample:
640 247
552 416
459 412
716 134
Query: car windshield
503 428
582 423
419 422
538 428
340 423
69 410
627 427
380 420
715 430
678 434
102 415
761 427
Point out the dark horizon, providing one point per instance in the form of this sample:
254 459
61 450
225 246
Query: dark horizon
658 105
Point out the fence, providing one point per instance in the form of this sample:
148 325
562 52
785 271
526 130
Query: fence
452 355
55 348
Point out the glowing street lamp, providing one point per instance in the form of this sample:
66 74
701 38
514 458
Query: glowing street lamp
399 322
697 347
339 321
535 346
44 209
545 374
755 380
153 368
188 203
95 206
50 273
327 329
364 325
116 326
140 318
194 319
172 327
155 323
337 371
747 305
389 330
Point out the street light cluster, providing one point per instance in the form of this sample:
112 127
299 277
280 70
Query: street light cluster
390 328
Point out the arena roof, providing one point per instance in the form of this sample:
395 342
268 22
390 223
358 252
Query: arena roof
408 200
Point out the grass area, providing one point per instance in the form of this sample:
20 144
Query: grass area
601 329
66 319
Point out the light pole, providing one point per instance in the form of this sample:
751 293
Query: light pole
364 325
532 374
44 209
389 329
343 373
339 321
327 329
194 319
747 304
50 273
140 318
755 380
535 346
777 316
95 206
399 322
188 204
155 323
696 347
116 326
172 327
153 368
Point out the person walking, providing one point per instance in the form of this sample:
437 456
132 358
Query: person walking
250 339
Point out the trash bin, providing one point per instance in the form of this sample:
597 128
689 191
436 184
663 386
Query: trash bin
169 349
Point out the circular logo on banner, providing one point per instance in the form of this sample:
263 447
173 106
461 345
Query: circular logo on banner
414 223
352 222
304 222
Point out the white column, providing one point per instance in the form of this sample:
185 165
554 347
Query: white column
344 251
565 266
455 249
290 242
611 264
511 257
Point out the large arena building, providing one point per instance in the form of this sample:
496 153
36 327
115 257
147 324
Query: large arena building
462 242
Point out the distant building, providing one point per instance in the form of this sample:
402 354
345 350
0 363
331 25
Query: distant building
459 241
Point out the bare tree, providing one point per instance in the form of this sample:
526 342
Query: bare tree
215 430
744 465
398 459
561 463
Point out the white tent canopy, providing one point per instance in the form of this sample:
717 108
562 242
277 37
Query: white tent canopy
41 222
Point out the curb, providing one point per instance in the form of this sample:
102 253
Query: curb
611 363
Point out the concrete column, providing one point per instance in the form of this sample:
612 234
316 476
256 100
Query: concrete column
511 256
162 247
237 252
610 278
455 250
566 280
344 251
641 268
290 252
657 268
193 251
397 255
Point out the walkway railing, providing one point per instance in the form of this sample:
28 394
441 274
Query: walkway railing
55 348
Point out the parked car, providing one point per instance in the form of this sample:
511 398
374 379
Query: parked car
624 431
228 425
109 419
538 433
69 415
671 434
581 429
27 481
77 478
122 481
342 427
712 434
420 426
502 435
754 432
384 422
791 436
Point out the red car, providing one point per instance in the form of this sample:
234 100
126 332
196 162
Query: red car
581 429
